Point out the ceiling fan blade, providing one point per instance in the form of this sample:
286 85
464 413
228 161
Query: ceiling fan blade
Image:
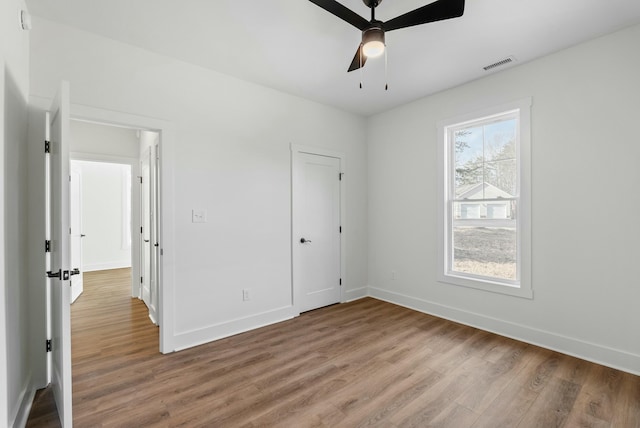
436 11
356 64
343 13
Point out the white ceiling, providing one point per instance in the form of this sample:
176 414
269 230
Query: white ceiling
296 47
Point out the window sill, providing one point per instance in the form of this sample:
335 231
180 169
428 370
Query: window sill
487 285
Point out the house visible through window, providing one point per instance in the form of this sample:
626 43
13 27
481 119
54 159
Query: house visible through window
485 230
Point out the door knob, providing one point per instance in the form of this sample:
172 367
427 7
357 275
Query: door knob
302 240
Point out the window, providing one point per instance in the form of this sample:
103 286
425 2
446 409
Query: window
485 233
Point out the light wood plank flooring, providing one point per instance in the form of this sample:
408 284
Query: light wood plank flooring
365 363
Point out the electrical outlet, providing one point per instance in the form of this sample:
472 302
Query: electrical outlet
245 295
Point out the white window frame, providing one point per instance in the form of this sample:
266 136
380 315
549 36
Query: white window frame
521 287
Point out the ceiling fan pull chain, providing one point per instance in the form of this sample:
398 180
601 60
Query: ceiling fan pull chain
360 57
386 72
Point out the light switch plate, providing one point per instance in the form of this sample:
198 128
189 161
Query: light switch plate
198 216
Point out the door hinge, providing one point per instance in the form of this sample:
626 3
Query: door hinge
47 146
141 280
340 229
140 180
140 229
48 345
340 281
340 176
47 246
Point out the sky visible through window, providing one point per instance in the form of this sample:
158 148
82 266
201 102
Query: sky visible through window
494 135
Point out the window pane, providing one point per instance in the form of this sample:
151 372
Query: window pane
485 251
469 149
500 140
501 176
485 160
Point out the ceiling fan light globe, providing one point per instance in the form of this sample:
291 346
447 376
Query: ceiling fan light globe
373 49
373 41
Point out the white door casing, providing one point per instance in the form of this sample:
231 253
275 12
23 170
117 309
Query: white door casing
166 132
57 131
75 196
316 237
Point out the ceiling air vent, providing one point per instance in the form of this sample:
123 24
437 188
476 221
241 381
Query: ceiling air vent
500 63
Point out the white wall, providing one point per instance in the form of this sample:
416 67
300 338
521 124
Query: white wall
103 221
231 156
15 373
98 139
585 142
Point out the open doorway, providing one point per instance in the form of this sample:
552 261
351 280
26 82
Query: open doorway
101 219
116 224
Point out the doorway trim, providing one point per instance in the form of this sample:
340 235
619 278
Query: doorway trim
296 227
166 131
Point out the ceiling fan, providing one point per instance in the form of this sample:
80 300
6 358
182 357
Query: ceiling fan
373 41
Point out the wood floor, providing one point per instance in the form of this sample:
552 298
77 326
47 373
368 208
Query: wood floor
365 363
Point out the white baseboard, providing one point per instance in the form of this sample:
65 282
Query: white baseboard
26 401
106 266
230 328
152 317
193 338
358 293
598 354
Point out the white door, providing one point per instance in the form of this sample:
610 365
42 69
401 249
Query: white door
149 254
317 200
155 231
57 133
145 231
75 195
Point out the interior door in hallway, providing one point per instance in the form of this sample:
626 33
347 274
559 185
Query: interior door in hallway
317 244
76 235
145 205
150 231
155 230
57 131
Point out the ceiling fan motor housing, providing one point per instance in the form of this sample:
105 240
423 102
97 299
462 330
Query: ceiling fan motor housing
372 3
375 33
